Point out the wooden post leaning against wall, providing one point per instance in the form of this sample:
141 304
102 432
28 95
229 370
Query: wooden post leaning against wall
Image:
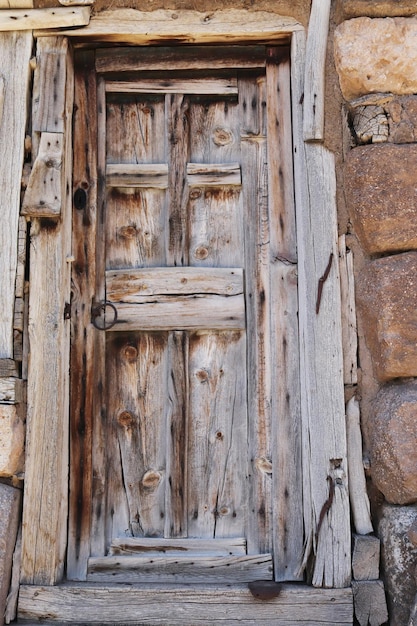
46 484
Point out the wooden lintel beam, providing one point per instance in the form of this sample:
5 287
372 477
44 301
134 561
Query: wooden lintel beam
28 19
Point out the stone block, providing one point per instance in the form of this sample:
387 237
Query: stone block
376 55
387 305
10 499
376 8
12 441
381 196
365 557
399 558
394 442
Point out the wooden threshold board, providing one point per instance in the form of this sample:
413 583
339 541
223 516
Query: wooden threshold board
182 605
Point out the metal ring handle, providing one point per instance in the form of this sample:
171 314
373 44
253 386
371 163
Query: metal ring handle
98 310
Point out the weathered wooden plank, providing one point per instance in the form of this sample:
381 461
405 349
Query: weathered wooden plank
365 557
48 86
179 547
10 390
217 436
296 605
57 17
176 58
207 175
177 419
8 367
43 194
137 175
46 481
21 258
370 602
136 284
314 85
15 51
13 595
349 327
257 294
182 570
194 312
211 86
153 27
359 501
325 495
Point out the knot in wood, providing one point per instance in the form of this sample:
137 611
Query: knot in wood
151 479
195 194
264 465
128 232
131 353
222 136
201 253
202 375
125 419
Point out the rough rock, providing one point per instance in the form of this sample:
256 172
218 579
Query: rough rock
376 55
399 558
9 520
394 443
12 440
381 196
387 306
375 8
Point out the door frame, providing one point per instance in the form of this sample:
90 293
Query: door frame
320 427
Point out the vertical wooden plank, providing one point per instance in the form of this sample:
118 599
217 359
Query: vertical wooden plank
177 436
46 484
326 506
286 431
15 51
83 377
315 66
257 291
349 328
217 436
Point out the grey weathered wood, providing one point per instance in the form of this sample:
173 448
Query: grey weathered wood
48 111
191 569
46 482
179 58
178 547
156 27
296 605
136 285
326 516
13 595
137 175
15 51
365 557
206 175
218 86
361 510
369 602
28 19
314 85
349 327
43 193
8 367
21 258
10 390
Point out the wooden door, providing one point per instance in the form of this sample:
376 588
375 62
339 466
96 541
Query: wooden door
172 450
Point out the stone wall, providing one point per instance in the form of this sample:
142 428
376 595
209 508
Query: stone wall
375 55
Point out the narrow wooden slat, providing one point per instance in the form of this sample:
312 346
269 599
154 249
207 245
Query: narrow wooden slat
177 420
43 194
44 539
182 570
349 327
296 605
195 312
322 392
359 500
153 27
179 547
15 51
138 284
314 85
206 175
28 19
143 175
10 390
184 58
8 367
48 87
211 86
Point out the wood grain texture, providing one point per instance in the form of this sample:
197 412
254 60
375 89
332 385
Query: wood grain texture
44 537
153 27
359 501
28 19
207 175
132 175
314 84
178 547
296 605
349 326
180 570
11 391
43 193
15 51
219 86
322 394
